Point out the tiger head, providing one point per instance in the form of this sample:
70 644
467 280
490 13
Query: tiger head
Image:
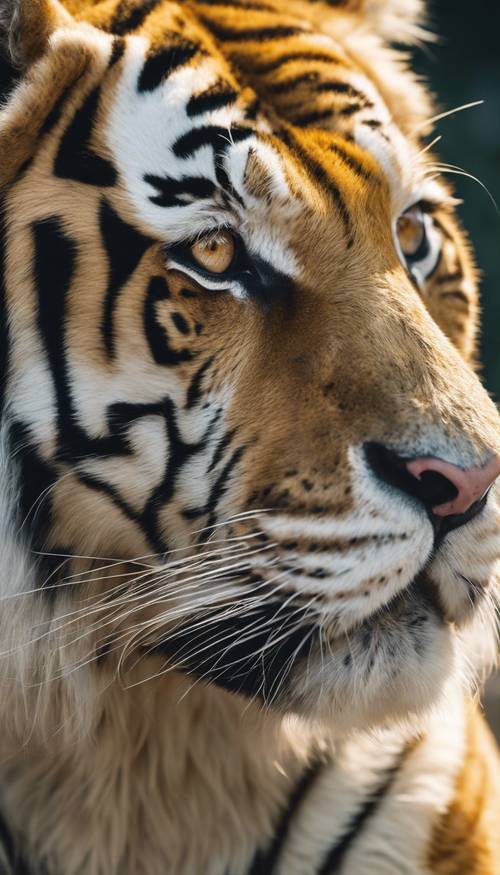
242 436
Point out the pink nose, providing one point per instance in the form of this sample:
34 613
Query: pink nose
471 484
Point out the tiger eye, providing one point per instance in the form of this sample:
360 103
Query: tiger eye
215 253
411 231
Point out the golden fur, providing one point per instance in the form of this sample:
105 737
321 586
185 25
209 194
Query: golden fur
145 404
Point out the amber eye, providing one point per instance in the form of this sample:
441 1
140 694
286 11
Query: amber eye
215 252
411 232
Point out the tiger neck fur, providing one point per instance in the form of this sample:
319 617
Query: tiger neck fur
109 801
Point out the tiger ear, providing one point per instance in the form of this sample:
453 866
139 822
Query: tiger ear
26 27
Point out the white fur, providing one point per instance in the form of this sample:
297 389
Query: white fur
131 767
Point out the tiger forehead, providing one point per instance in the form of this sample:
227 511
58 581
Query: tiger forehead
189 139
306 78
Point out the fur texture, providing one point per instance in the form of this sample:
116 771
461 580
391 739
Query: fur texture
230 641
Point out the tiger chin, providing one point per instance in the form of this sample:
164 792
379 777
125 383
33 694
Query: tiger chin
250 523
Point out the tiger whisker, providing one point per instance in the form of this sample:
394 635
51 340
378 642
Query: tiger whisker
72 580
245 605
104 604
430 145
271 642
269 622
457 171
448 112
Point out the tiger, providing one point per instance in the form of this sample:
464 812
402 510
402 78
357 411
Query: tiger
250 526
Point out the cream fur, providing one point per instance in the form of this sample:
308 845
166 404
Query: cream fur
111 761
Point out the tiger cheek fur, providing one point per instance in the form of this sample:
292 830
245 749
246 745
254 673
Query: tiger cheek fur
238 312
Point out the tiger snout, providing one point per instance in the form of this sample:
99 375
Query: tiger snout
451 495
362 498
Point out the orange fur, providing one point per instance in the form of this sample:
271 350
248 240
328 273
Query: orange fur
351 349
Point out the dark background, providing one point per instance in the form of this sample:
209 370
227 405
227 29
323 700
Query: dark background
463 66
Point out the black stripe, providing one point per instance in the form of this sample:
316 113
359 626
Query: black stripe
238 4
55 113
172 191
18 863
4 331
179 454
150 532
162 63
7 839
117 52
254 35
194 392
216 97
221 448
8 78
155 331
264 862
54 266
98 485
336 855
120 416
455 277
35 479
209 135
287 85
220 139
180 323
130 14
312 77
343 88
54 263
355 165
222 483
351 109
321 176
218 489
125 247
251 110
75 159
309 119
457 296
302 57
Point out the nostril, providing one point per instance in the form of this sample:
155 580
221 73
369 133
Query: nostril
471 484
451 495
430 487
434 489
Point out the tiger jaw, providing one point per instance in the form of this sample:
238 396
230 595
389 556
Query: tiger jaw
298 642
277 652
294 609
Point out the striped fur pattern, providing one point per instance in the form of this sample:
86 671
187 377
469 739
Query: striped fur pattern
228 648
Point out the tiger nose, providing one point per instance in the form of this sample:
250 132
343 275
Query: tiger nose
470 485
446 491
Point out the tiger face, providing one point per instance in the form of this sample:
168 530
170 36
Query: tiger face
239 310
